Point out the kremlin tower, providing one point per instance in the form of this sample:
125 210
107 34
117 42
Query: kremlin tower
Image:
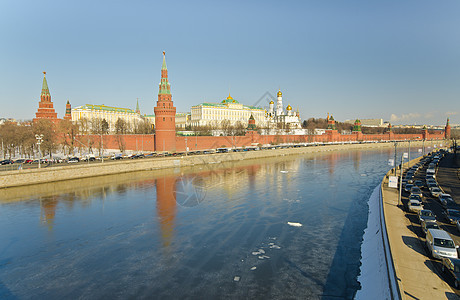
447 130
165 115
45 106
68 111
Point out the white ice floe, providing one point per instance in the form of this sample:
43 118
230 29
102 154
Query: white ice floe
264 257
262 251
294 224
236 278
253 268
275 247
284 171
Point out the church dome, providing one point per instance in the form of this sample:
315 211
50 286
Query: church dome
289 107
229 97
279 94
271 102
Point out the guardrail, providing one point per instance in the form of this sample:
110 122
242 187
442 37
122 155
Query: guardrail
391 271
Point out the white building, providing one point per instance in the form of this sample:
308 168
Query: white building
109 113
279 118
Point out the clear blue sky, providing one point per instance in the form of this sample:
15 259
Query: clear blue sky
396 60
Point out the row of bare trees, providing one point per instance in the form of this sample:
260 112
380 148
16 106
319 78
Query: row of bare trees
101 126
225 126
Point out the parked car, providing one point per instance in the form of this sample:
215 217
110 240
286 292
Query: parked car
419 184
19 161
28 161
429 225
445 200
451 215
435 191
440 244
415 190
426 215
408 187
431 185
457 224
414 206
451 266
117 156
6 162
73 160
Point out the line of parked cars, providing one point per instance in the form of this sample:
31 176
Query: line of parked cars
439 243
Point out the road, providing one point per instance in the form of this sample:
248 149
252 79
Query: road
448 180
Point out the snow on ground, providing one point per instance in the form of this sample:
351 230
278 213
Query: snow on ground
374 272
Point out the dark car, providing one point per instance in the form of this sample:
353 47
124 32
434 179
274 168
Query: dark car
73 160
408 187
452 215
451 267
429 225
426 215
446 200
6 162
419 183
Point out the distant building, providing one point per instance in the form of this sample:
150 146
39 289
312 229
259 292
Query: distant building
109 113
369 122
228 109
278 118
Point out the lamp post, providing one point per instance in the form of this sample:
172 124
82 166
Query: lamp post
39 138
400 179
396 145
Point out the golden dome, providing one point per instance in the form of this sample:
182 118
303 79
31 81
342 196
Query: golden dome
279 94
229 97
271 102
289 107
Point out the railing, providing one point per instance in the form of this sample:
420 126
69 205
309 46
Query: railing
391 271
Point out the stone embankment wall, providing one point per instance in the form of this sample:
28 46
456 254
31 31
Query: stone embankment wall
67 172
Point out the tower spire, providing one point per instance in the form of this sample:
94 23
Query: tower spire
45 90
165 88
163 67
137 106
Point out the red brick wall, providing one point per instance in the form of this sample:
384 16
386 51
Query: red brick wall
146 142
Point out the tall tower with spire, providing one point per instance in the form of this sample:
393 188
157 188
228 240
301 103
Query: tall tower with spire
279 103
45 106
165 114
138 111
68 111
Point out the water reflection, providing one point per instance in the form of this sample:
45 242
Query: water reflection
166 207
186 233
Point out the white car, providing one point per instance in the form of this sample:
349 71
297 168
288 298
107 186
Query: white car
414 206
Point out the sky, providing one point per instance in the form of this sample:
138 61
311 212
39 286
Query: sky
395 60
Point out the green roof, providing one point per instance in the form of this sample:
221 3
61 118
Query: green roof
107 108
225 106
45 89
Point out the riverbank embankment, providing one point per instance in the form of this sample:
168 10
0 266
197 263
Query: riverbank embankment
414 275
16 178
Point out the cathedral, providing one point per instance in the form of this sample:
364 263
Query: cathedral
280 119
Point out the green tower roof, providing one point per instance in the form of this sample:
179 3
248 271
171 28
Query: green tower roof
45 89
163 67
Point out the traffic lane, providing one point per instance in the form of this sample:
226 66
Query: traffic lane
447 175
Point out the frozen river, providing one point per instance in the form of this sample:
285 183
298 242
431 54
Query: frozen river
286 227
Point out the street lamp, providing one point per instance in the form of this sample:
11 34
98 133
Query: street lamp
39 142
396 145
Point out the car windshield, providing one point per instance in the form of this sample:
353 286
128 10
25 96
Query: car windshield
444 243
432 226
426 213
415 203
456 268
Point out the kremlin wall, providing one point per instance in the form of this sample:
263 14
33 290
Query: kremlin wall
166 140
